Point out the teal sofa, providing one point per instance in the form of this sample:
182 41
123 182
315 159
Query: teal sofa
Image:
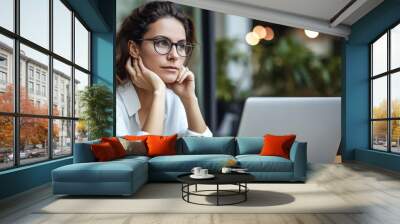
125 176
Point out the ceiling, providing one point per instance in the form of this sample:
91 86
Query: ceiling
333 17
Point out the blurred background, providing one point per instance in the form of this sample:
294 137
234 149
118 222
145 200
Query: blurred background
237 57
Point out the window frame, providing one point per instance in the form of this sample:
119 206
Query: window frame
16 115
388 74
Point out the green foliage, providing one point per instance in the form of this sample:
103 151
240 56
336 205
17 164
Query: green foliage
283 67
227 52
288 68
96 102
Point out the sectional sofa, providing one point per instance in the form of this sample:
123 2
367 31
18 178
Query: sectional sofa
126 175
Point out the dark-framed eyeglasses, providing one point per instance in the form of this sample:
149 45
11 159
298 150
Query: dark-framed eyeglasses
163 45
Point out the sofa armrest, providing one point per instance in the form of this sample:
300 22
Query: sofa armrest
83 152
298 155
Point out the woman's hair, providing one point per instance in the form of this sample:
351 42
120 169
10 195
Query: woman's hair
137 24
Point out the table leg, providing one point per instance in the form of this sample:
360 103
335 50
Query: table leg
196 188
245 193
217 194
188 189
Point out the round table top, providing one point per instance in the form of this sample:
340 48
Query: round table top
220 178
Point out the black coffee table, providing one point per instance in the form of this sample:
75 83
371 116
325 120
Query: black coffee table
238 179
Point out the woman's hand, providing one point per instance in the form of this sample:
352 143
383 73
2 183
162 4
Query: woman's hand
143 77
184 85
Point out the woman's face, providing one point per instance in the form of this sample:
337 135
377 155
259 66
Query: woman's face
166 66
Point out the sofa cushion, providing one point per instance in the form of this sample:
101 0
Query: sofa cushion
249 145
257 163
111 171
207 145
185 163
131 158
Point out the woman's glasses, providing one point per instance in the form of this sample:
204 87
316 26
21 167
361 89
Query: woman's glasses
163 46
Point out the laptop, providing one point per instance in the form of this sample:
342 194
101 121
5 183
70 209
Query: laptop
315 120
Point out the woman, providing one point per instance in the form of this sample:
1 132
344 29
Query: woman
156 91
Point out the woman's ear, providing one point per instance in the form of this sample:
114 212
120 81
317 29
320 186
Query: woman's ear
133 49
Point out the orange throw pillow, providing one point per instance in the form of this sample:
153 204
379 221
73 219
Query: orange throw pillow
161 145
116 145
103 151
277 145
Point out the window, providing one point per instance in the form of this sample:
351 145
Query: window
43 90
3 72
385 91
38 89
30 72
54 125
3 78
38 74
30 87
3 61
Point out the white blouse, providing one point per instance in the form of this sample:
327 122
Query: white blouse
128 105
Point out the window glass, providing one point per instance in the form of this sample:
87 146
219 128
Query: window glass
395 47
7 14
81 131
33 140
379 100
81 45
62 91
6 74
62 141
395 95
379 135
6 142
62 29
34 21
379 56
81 81
39 61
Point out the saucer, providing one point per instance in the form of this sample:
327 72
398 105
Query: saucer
208 176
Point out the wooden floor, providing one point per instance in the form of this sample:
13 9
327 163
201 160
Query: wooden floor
378 188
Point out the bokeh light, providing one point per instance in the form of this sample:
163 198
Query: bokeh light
311 34
252 38
260 31
270 33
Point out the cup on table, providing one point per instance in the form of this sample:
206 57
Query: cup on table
226 170
196 171
203 172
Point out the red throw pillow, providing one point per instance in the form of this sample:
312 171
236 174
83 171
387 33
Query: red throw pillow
116 145
161 145
277 145
103 151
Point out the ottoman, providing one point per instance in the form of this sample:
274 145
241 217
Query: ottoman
118 177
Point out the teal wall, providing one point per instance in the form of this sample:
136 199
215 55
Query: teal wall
356 125
24 178
99 15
